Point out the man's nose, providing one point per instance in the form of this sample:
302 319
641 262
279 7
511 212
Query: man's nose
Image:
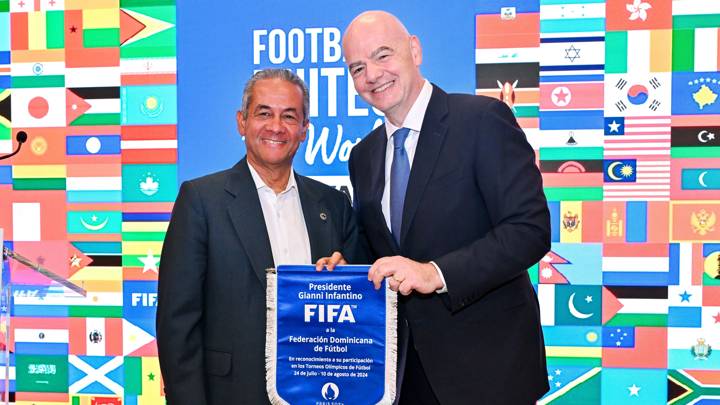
372 72
275 124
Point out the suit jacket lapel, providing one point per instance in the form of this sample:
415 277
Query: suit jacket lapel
317 217
246 215
432 135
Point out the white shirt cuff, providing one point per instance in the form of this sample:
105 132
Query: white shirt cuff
444 286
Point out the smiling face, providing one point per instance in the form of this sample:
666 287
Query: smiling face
274 127
384 60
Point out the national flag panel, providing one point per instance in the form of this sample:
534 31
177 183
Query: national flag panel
634 385
98 76
695 141
38 107
93 106
139 337
571 384
78 52
695 14
38 74
695 179
32 215
143 381
41 373
641 51
618 336
640 148
571 96
44 146
93 144
562 17
142 244
575 57
95 375
578 305
648 351
708 271
688 347
149 182
572 263
96 336
37 30
636 264
695 221
575 221
43 336
94 222
493 31
514 83
39 177
688 386
638 94
635 306
695 93
97 183
695 49
149 144
149 105
639 15
148 31
149 71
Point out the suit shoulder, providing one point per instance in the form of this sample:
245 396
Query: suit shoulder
322 189
210 181
473 102
369 139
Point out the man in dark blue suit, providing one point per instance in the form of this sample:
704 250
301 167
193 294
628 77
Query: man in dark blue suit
226 230
451 201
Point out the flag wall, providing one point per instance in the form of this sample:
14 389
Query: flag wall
93 84
626 140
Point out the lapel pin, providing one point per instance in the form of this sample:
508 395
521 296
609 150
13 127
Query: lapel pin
323 216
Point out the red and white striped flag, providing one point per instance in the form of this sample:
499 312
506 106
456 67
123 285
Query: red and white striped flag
647 140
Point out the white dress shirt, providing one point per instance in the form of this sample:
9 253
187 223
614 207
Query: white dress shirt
284 220
413 121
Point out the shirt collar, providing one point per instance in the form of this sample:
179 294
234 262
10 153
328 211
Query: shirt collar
415 116
259 183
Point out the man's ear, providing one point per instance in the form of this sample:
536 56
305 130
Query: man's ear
306 125
240 122
416 50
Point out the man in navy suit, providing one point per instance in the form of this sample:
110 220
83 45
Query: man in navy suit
451 201
226 230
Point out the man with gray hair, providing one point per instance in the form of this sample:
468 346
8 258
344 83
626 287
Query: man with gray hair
226 229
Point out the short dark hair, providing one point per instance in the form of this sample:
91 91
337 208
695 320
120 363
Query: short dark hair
283 74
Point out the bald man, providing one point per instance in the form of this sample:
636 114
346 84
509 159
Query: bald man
449 196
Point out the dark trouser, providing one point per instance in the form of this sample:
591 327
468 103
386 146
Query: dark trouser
416 389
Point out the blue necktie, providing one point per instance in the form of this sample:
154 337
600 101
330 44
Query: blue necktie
399 174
